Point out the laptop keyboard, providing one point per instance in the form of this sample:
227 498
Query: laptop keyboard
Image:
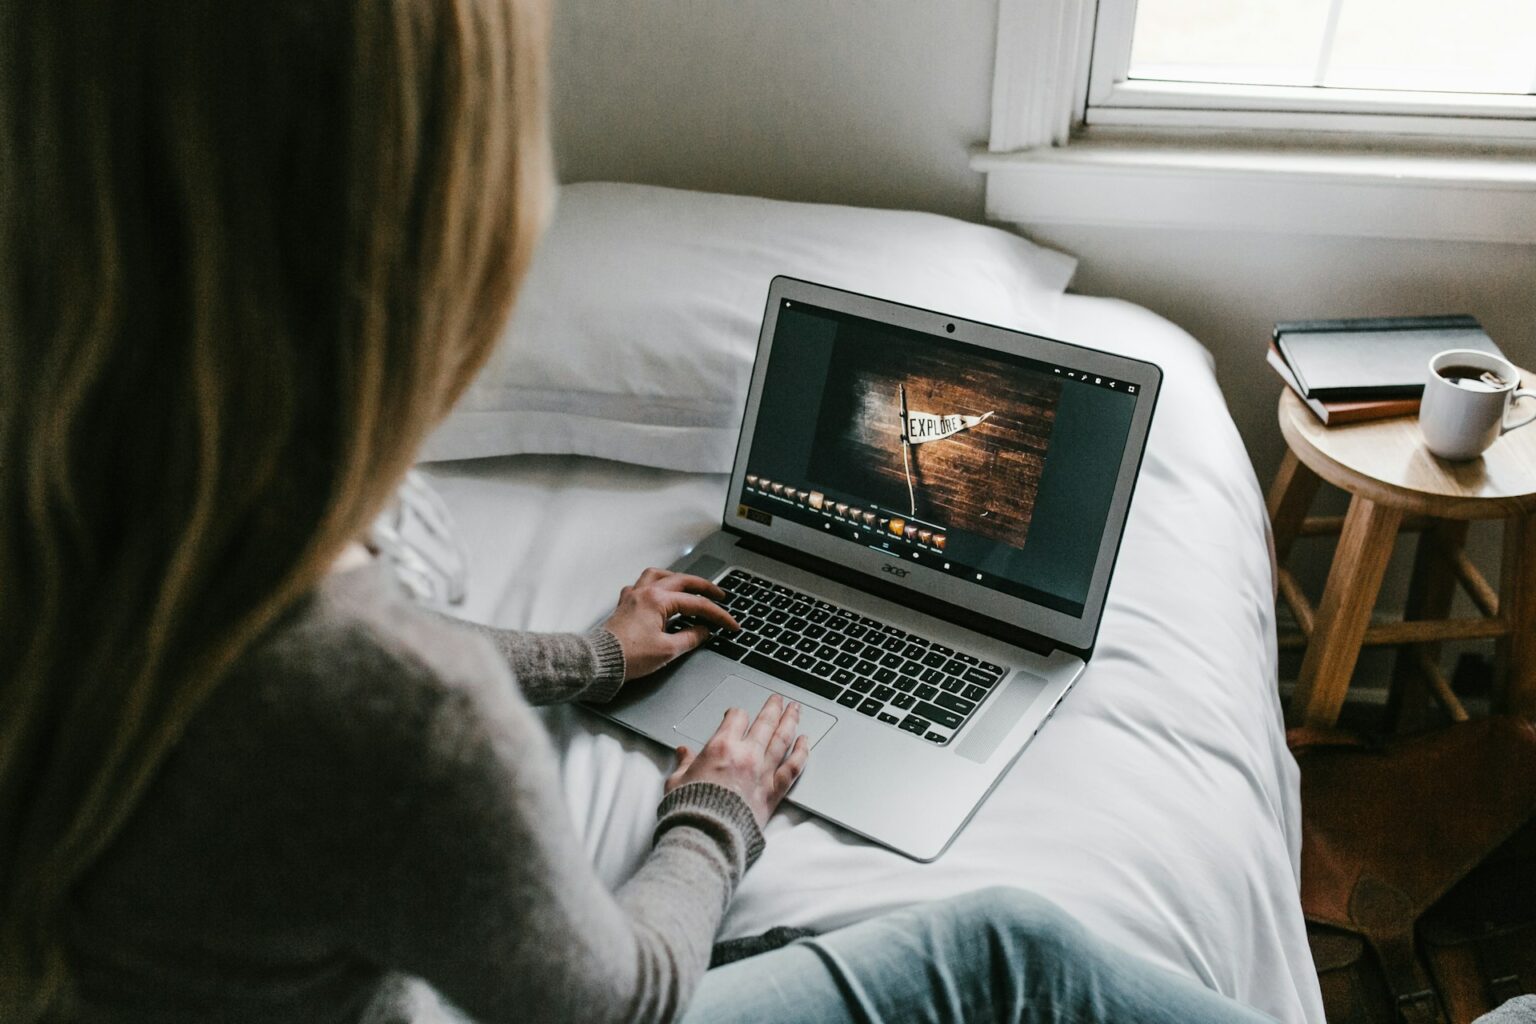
903 680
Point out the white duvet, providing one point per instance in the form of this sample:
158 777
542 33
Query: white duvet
1159 805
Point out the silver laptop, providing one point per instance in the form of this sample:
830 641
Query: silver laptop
919 533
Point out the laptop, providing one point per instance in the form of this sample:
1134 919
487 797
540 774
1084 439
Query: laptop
920 529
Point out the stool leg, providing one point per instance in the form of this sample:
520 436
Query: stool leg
1515 655
1429 597
1290 496
1365 547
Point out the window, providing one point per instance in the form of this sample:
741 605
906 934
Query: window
1362 118
1412 67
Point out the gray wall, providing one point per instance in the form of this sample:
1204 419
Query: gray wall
866 102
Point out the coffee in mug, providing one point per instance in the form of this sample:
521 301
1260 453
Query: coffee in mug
1466 400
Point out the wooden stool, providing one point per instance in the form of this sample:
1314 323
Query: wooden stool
1396 484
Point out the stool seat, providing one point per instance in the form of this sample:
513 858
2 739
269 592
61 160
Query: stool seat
1395 484
1386 461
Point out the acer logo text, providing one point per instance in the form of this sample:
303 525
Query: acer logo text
895 570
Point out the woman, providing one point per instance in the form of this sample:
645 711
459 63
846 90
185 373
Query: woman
249 255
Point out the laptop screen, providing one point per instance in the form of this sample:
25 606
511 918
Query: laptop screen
986 466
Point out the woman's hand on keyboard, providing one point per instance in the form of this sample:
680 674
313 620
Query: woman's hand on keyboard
645 609
760 762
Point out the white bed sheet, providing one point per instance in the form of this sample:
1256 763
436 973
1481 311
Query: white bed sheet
1160 806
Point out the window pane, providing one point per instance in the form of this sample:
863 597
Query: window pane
1436 45
1258 42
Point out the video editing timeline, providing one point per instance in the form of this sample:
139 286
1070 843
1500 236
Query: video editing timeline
877 528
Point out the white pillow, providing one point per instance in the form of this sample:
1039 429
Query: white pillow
635 330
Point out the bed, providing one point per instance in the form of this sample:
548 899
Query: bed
1160 806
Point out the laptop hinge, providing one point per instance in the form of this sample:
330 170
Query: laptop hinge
964 617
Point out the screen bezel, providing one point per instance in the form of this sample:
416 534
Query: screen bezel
1074 632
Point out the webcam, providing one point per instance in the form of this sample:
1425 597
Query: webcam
950 328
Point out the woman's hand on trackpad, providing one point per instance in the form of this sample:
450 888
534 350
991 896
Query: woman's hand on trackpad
644 610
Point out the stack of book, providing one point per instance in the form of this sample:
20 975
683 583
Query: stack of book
1367 368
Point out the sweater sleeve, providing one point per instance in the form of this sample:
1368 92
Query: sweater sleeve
553 668
492 899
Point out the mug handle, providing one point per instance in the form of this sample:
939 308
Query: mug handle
1524 393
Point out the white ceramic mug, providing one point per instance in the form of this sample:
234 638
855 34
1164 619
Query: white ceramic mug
1460 421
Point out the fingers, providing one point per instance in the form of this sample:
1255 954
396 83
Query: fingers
761 732
783 733
686 640
699 607
685 759
785 775
733 726
681 581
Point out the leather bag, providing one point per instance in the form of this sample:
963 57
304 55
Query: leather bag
1388 829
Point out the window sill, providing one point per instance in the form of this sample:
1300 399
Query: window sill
1446 195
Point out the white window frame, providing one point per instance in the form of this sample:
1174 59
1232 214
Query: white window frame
1112 99
1066 148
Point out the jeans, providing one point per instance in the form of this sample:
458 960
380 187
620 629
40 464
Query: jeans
999 954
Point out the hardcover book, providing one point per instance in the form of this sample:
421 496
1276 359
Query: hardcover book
1371 358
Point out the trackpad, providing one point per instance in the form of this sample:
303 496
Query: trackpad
736 692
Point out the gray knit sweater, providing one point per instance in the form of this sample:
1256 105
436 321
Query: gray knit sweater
368 799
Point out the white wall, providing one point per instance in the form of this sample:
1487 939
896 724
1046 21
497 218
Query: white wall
867 102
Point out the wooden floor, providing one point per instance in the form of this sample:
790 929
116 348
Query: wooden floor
982 480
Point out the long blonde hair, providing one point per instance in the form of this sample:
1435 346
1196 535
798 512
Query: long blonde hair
249 254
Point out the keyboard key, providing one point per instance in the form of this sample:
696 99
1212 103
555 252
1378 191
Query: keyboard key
885 675
940 716
935 737
805 661
819 616
974 692
893 644
789 637
865 668
953 703
796 623
837 623
953 667
822 668
784 653
826 652
932 676
771 631
842 677
911 650
845 661
941 648
905 683
747 639
911 668
850 699
904 701
855 631
892 661
852 646
767 646
914 724
806 644
966 659
863 685
987 666
898 634
913 638
888 718
720 645
883 694
801 607
752 622
781 601
815 632
870 706
933 659
871 622
979 677
926 692
804 680
777 617
953 685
